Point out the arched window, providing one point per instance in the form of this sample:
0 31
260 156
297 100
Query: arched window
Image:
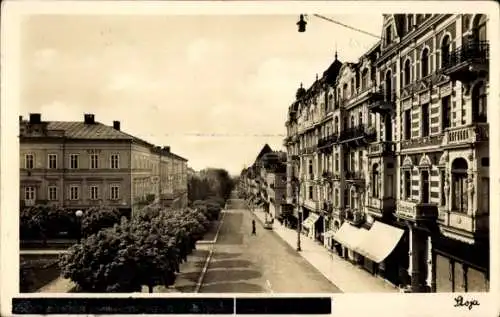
344 91
424 63
375 181
480 28
459 185
479 103
407 72
337 125
445 51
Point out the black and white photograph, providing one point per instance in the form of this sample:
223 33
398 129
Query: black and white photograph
317 152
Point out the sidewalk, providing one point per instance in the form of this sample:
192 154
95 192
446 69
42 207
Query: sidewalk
347 277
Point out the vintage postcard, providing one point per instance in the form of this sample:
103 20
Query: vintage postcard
250 158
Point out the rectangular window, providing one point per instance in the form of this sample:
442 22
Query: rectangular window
29 193
337 162
346 198
389 186
445 112
310 192
74 192
29 161
425 187
407 180
52 158
114 192
94 161
425 119
337 197
73 161
94 192
407 124
310 168
115 161
52 192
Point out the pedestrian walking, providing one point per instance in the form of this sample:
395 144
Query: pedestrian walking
253 227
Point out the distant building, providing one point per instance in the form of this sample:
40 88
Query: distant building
264 183
83 164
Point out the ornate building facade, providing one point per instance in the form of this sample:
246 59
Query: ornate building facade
405 165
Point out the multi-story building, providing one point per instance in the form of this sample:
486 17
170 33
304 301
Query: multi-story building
411 200
264 182
82 164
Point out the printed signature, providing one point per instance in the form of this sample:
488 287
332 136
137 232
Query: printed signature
469 303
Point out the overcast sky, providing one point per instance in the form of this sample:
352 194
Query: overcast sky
214 88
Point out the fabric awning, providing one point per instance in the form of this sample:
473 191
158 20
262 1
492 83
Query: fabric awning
380 241
350 236
310 220
329 233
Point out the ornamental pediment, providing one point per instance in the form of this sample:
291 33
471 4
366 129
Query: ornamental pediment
443 160
407 162
425 161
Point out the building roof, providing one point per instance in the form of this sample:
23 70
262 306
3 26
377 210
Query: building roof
81 130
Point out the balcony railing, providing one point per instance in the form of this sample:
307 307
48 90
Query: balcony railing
466 135
358 132
382 148
380 206
311 204
459 60
416 211
472 224
382 100
327 206
354 176
327 141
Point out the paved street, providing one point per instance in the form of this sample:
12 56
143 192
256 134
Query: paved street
258 264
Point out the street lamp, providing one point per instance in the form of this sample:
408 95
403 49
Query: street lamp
79 215
297 184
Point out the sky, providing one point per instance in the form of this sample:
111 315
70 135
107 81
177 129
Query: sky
215 88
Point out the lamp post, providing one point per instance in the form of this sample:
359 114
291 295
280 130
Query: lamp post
297 184
79 215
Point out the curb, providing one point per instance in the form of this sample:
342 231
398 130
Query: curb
209 257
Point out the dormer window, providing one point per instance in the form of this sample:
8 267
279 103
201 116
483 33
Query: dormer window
388 35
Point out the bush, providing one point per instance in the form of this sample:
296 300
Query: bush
95 219
146 250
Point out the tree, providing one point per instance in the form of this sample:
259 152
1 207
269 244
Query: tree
97 218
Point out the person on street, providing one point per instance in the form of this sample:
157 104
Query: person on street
253 227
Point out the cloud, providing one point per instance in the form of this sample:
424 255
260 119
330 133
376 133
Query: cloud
203 50
45 58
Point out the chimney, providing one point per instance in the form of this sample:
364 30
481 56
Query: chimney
116 125
35 118
20 118
166 149
88 118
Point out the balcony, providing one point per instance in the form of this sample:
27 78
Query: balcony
468 62
327 142
360 135
354 176
327 176
383 148
311 205
382 101
461 226
380 207
477 132
416 212
422 142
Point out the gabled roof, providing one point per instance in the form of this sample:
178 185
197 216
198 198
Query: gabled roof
266 149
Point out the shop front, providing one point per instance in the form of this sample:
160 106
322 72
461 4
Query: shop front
461 267
350 237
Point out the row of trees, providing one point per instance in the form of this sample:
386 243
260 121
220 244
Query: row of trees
144 250
208 183
46 222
